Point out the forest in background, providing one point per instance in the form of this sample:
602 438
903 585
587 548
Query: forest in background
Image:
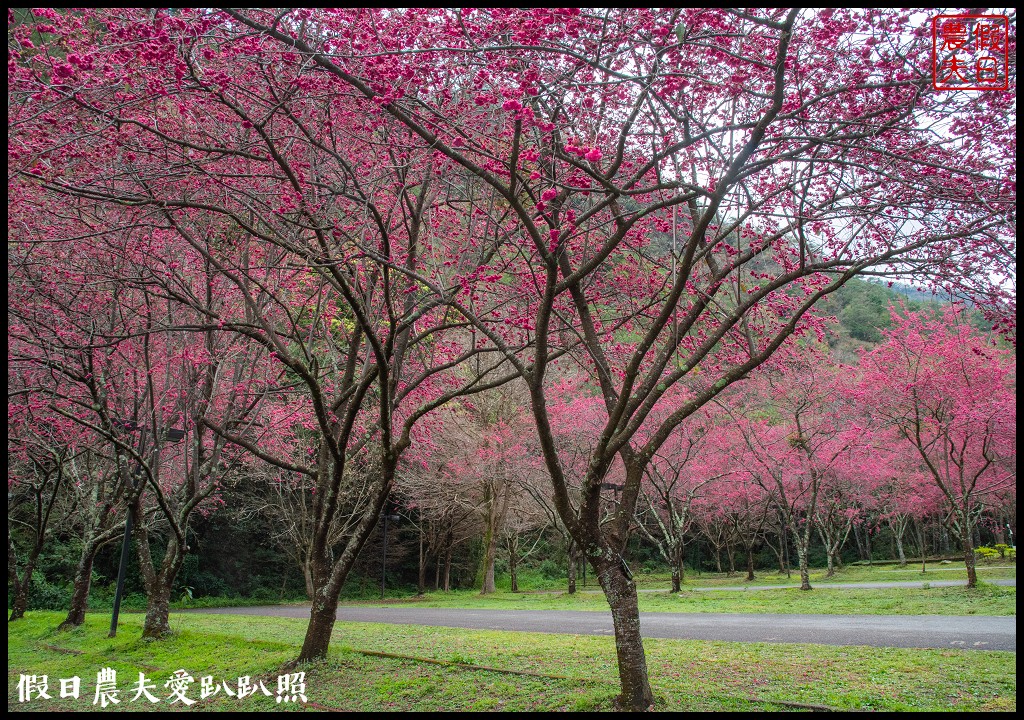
240 552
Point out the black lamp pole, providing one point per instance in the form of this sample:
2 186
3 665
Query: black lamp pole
170 435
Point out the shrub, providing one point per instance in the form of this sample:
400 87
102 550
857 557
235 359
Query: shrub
264 594
1005 551
134 601
552 570
44 595
986 553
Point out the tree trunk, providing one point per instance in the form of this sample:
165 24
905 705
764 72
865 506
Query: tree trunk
750 562
730 553
80 594
158 611
999 531
497 502
21 585
861 555
785 554
898 529
972 574
448 568
805 576
20 603
920 541
867 543
778 553
307 575
620 591
159 583
322 616
803 542
512 566
43 507
678 558
490 551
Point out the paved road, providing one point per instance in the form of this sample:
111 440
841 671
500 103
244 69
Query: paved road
905 631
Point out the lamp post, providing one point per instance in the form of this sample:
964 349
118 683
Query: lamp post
384 555
169 435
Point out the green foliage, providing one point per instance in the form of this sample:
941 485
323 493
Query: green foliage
44 595
999 551
863 322
189 568
134 601
207 584
264 594
551 570
986 553
185 598
862 309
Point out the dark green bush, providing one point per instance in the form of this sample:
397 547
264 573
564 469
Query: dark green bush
551 570
47 596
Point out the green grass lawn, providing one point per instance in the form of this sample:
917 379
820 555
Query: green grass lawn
983 600
939 601
878 572
525 671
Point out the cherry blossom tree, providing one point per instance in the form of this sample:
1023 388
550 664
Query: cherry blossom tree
795 439
39 468
907 496
662 194
608 129
122 361
846 498
748 509
949 394
64 473
435 501
525 520
99 500
683 472
299 245
481 447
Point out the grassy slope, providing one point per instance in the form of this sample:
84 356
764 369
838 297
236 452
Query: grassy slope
654 596
686 675
984 600
849 574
